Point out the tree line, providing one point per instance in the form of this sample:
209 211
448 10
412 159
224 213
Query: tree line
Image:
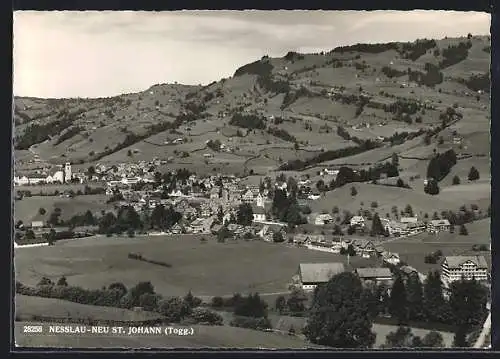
173 309
343 310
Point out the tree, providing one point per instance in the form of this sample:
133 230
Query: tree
278 237
395 159
460 337
433 339
251 306
456 180
138 290
217 302
398 305
473 174
377 227
118 286
174 309
148 301
62 282
338 316
30 234
432 187
435 306
192 301
295 302
45 281
463 230
280 304
42 211
468 302
245 214
401 338
51 237
354 191
415 298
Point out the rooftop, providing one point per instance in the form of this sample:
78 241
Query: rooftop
457 261
366 273
319 272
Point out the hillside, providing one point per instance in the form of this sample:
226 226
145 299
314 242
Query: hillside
276 110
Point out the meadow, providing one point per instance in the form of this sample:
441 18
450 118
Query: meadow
27 208
206 268
203 337
27 307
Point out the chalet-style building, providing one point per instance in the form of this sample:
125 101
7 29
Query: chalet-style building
455 268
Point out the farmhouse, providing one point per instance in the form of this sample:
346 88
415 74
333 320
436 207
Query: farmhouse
363 247
248 196
455 268
322 219
438 225
312 274
357 221
390 258
308 238
259 214
37 224
375 275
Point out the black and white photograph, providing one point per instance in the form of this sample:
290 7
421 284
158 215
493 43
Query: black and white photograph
217 179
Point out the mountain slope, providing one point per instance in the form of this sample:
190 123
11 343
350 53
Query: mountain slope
285 108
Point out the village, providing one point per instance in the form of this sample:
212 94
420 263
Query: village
225 207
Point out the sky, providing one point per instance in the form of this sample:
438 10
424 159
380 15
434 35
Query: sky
60 54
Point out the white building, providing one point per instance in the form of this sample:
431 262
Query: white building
438 225
259 215
455 268
322 219
357 221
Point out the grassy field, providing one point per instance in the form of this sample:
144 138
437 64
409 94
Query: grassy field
27 208
50 188
387 197
28 306
204 337
207 269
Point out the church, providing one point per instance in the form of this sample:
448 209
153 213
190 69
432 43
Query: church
61 174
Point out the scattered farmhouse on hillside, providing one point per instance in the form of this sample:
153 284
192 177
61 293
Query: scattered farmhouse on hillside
438 225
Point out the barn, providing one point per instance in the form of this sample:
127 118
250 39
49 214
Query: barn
312 274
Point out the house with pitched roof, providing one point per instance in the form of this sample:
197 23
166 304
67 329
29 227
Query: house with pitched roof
313 274
455 268
438 225
378 276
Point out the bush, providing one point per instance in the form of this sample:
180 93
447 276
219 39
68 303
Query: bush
206 316
217 302
251 323
174 309
456 180
473 174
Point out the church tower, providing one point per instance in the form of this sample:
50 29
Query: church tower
67 172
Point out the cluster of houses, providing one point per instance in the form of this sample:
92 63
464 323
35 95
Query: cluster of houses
56 174
453 268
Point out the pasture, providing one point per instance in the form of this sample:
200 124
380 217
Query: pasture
27 208
207 269
204 337
387 197
27 307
